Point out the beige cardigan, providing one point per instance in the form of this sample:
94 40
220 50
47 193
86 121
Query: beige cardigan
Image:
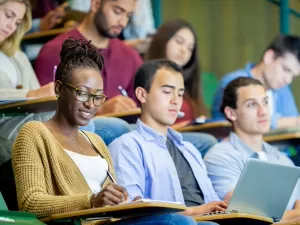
15 71
47 180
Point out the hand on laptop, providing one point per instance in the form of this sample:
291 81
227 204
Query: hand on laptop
207 208
118 103
44 91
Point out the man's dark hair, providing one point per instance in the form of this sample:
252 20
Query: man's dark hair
230 92
283 44
145 74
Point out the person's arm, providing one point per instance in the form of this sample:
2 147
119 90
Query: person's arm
128 164
140 45
28 73
205 208
46 60
228 196
291 215
31 182
136 63
224 168
7 89
286 122
288 115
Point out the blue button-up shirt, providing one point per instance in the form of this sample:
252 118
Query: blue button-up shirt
145 168
283 100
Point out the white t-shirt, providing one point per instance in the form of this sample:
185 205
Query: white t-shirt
262 156
93 168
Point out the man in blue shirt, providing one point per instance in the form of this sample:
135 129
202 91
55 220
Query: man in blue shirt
153 161
280 64
245 104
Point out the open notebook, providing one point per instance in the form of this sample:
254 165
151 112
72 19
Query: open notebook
150 200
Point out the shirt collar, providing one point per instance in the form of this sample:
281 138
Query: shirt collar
239 144
248 67
150 134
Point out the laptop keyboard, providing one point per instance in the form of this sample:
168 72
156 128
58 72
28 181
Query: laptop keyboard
219 212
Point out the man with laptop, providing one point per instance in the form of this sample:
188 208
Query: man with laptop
245 105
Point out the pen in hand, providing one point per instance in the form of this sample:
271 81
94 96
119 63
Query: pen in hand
54 72
111 177
114 181
123 91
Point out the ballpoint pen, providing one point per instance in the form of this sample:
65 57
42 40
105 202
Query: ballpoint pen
123 91
111 177
54 72
115 182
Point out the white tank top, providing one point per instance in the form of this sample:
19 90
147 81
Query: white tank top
93 168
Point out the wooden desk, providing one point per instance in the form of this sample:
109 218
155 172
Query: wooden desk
129 116
288 223
289 136
43 34
38 105
219 129
236 219
119 211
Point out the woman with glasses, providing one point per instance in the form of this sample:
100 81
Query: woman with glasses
59 168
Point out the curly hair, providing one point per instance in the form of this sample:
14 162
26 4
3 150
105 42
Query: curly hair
77 53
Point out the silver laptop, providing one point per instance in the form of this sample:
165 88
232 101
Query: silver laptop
264 189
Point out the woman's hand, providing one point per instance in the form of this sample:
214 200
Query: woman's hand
44 91
112 194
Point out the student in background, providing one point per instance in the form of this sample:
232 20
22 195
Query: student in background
245 104
60 169
176 40
18 80
153 161
278 67
102 26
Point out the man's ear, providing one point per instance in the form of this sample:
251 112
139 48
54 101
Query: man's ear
141 94
269 57
230 113
95 5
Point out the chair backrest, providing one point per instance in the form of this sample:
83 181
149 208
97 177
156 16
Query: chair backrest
209 86
3 205
8 186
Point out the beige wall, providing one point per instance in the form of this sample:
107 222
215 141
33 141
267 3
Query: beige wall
231 32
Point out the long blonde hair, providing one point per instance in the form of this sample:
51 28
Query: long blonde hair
12 44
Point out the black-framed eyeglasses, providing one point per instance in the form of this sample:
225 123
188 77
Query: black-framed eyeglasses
84 96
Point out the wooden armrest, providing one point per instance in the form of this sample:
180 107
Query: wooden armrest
235 218
118 211
288 223
37 105
134 112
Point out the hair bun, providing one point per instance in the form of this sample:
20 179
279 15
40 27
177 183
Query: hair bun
75 49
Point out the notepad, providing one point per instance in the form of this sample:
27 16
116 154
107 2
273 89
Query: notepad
150 200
